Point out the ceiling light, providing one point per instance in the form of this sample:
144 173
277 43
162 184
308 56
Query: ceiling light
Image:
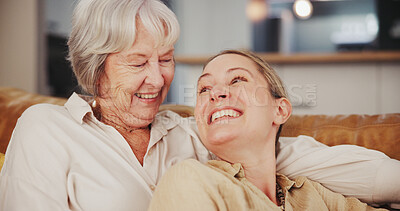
302 9
256 10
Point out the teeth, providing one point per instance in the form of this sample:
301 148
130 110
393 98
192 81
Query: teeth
146 96
224 113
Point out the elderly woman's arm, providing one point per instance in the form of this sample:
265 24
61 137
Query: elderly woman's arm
368 175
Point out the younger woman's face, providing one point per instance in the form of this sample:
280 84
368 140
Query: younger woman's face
234 108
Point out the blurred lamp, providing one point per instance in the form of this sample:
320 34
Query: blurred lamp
302 9
256 10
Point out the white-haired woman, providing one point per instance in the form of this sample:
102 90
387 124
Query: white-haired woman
108 152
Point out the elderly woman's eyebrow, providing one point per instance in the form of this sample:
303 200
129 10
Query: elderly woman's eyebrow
135 56
170 51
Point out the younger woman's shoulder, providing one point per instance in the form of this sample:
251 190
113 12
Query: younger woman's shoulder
192 168
188 167
189 164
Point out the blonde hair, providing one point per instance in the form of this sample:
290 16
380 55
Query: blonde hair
276 86
275 83
101 27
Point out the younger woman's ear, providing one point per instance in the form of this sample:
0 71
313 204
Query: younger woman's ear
283 110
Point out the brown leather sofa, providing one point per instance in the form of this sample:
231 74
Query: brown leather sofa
380 132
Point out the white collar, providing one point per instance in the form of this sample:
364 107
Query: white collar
78 106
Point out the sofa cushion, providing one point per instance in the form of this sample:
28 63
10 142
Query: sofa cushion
2 156
380 132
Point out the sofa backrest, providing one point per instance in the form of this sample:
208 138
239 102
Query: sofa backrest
380 132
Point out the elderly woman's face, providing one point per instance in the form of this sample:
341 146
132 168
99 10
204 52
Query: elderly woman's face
136 81
234 104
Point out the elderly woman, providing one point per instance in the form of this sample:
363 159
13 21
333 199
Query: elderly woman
108 151
241 106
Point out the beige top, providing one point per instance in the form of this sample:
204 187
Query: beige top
219 185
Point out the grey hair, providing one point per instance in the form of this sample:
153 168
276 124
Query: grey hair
101 27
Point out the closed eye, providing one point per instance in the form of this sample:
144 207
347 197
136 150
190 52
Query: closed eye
238 79
166 60
138 65
204 89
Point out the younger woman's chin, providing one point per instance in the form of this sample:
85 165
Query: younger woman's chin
219 139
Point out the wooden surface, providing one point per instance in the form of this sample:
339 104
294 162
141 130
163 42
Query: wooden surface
304 58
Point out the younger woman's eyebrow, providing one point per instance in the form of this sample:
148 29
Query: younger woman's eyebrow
228 71
240 68
202 76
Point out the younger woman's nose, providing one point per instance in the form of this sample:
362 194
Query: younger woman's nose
218 93
215 98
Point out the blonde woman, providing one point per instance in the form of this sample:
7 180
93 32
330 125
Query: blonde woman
241 107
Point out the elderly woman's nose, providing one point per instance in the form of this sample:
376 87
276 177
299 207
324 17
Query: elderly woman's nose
155 77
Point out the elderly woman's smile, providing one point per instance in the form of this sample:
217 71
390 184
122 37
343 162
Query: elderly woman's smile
146 96
136 81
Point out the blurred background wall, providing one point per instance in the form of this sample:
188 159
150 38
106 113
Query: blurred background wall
314 87
34 33
22 44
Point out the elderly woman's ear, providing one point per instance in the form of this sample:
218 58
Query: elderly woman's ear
283 110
